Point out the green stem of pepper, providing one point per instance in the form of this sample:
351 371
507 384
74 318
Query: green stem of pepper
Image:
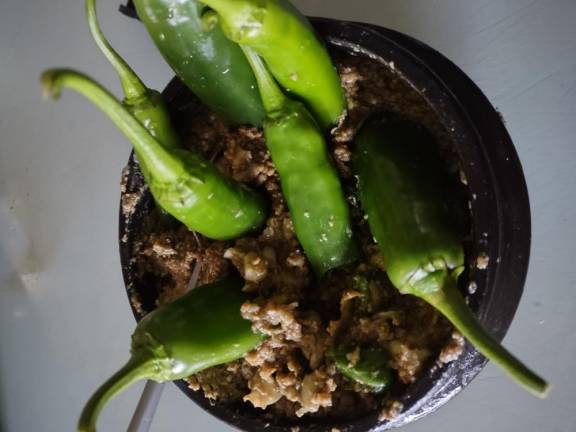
136 369
166 167
309 180
451 304
285 39
272 97
401 189
144 103
206 61
184 184
199 330
131 83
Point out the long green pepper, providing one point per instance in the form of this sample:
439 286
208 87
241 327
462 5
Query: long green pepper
309 180
211 65
146 105
295 56
400 182
184 184
202 329
143 103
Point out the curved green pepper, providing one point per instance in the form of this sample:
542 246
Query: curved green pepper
184 184
400 182
284 38
371 369
309 180
212 66
202 329
143 103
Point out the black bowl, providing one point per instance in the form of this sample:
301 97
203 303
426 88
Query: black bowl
500 216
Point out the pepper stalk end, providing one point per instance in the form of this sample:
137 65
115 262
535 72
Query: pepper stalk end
51 85
139 367
451 304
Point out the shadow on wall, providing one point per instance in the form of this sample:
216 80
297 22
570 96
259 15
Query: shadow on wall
19 261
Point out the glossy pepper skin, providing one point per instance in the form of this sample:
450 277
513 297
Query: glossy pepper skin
203 328
295 56
211 65
400 183
371 369
309 180
143 103
184 184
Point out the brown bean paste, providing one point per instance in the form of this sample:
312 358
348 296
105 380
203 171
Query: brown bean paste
289 375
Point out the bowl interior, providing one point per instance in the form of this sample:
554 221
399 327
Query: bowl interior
498 202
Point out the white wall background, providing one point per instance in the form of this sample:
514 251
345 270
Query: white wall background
64 317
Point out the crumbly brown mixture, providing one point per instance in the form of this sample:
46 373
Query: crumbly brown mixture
391 410
289 374
453 348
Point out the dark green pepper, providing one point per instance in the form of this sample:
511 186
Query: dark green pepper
203 328
309 180
184 184
212 66
371 369
400 182
284 38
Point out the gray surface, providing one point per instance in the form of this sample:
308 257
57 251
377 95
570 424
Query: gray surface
65 321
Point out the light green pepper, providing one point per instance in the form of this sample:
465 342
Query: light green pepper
295 56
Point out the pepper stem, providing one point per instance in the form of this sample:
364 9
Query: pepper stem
131 83
272 97
136 369
451 304
165 166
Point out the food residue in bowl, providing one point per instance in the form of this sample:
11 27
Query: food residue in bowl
291 374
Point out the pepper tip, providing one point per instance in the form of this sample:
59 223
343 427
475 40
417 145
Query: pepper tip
545 391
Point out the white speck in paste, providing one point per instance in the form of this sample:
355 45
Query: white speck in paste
349 232
482 261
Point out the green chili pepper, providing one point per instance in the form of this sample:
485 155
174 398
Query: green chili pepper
184 184
309 181
143 103
204 328
284 38
371 369
400 182
212 66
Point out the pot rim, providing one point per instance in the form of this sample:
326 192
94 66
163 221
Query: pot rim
499 208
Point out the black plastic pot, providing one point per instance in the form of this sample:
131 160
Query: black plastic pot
499 208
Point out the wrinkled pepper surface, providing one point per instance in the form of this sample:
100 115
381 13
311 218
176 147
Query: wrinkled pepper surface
184 184
143 103
309 180
210 65
203 328
295 56
400 183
